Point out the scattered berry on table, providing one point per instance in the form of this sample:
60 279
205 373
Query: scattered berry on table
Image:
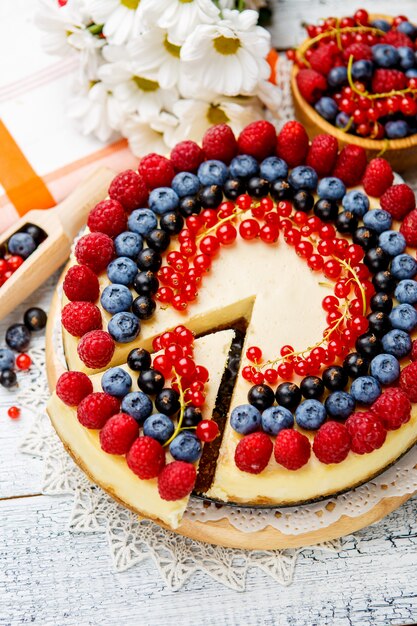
7 359
18 337
23 361
35 319
13 412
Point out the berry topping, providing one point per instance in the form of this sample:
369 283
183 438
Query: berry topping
81 284
398 200
258 139
94 250
253 452
366 431
322 154
220 143
118 434
378 177
146 457
107 217
176 480
393 408
350 165
72 387
408 381
79 318
292 143
397 39
96 349
358 51
292 449
311 85
322 58
129 189
156 170
96 408
186 156
385 80
207 430
331 443
409 228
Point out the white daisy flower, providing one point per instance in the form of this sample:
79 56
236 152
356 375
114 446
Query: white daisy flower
97 111
270 95
122 19
179 17
155 57
149 135
228 57
58 23
89 46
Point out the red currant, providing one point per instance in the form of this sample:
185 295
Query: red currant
23 361
226 234
254 354
207 430
13 412
249 229
269 233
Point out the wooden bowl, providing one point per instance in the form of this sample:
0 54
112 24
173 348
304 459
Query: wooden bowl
401 153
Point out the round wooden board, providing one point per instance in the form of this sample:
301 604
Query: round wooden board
221 532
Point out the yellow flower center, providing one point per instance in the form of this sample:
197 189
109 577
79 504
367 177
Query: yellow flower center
216 115
186 1
130 4
226 45
171 48
144 84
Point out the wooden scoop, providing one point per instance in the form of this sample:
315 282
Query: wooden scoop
60 224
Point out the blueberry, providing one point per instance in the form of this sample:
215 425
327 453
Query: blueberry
163 200
124 327
327 108
331 188
365 389
343 120
245 419
362 70
411 73
18 337
186 447
385 55
128 244
122 271
337 76
6 359
142 221
381 24
407 59
396 129
385 368
310 415
356 202
22 244
35 318
392 242
159 427
377 219
185 184
303 177
116 382
274 168
406 291
212 172
276 418
396 342
403 266
243 166
408 29
403 317
116 298
340 404
138 405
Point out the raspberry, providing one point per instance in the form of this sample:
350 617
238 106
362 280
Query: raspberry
292 449
322 154
408 381
350 165
359 51
72 387
186 156
292 143
129 189
332 442
253 452
259 139
156 170
81 284
322 59
107 217
393 408
366 431
176 480
118 434
409 229
96 349
94 250
146 457
378 177
219 143
398 200
384 81
79 318
311 84
96 408
397 39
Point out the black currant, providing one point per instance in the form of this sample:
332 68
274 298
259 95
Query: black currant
365 237
355 365
172 222
379 323
139 359
35 318
368 345
192 416
8 378
143 307
233 188
384 281
281 190
335 378
18 337
346 222
35 232
326 210
158 239
168 401
303 201
381 302
261 396
288 395
149 259
145 283
151 381
189 205
376 260
312 387
211 196
258 187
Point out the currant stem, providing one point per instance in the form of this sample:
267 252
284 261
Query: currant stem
220 222
373 96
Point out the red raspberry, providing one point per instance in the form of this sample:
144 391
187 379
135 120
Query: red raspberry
146 457
186 156
118 434
322 154
96 408
384 81
176 480
219 143
398 200
332 442
72 387
81 284
292 143
378 177
413 355
94 250
350 165
393 408
366 431
292 449
322 58
259 139
311 84
408 381
359 51
397 39
79 318
129 189
253 452
96 349
107 217
156 170
409 229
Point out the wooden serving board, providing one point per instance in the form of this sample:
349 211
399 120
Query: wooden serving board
221 532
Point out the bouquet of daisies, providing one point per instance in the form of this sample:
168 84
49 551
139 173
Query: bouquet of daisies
161 71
